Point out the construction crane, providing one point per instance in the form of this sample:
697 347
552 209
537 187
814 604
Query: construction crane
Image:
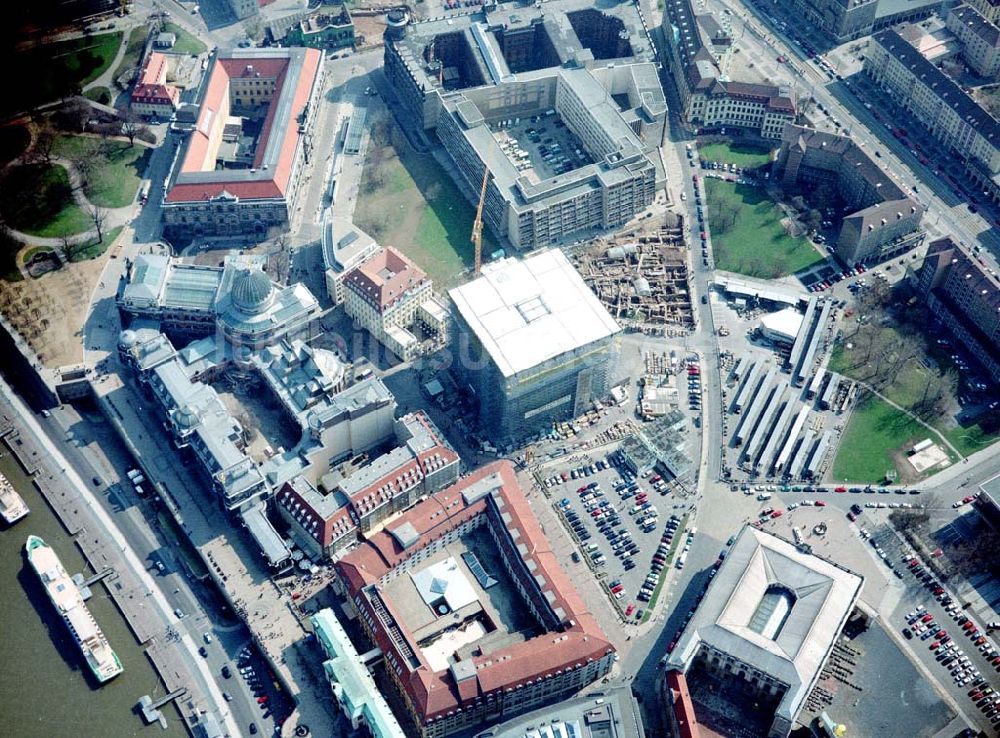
477 224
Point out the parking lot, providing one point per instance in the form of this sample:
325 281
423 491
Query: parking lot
627 529
945 638
541 145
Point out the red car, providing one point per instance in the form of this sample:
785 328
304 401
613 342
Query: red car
777 513
935 644
819 503
840 489
926 618
630 609
968 625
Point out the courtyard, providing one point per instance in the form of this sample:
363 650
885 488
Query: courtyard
748 235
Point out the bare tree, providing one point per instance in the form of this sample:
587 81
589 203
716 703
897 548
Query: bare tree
254 29
67 246
85 157
99 216
75 114
44 143
130 124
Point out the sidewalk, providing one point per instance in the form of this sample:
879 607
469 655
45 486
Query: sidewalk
231 559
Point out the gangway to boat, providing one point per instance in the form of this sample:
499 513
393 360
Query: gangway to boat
151 710
84 584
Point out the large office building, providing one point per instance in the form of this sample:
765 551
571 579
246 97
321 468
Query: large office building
533 343
695 46
239 170
475 617
963 295
881 220
963 127
530 202
559 105
387 295
767 624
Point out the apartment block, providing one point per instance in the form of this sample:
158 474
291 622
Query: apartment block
989 9
980 39
963 295
885 220
960 124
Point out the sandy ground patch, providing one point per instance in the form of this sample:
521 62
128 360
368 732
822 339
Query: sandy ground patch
49 311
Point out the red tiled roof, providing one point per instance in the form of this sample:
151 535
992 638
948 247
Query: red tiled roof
434 694
385 277
209 119
152 87
683 708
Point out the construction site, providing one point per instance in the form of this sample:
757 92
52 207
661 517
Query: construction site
642 279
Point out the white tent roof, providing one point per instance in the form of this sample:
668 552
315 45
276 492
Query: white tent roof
526 312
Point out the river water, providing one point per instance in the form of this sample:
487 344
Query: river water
45 689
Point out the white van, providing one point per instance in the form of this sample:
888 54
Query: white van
763 496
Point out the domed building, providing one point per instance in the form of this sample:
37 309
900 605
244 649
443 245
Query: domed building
237 302
255 313
252 291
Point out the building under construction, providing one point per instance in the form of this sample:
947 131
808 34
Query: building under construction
642 281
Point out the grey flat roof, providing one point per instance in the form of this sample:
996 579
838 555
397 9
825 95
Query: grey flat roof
266 537
526 312
823 597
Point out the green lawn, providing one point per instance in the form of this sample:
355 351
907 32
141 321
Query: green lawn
13 142
33 251
97 247
37 199
186 42
9 246
420 211
100 94
115 180
907 390
747 235
737 154
675 544
875 429
133 51
61 68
